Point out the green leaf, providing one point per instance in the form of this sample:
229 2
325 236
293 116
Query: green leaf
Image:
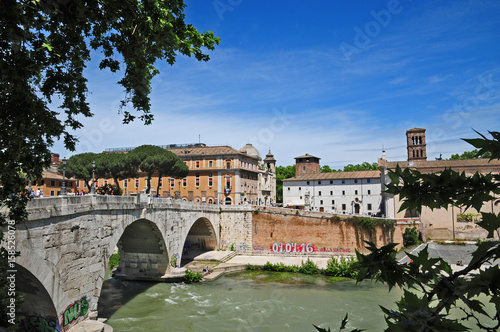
490 222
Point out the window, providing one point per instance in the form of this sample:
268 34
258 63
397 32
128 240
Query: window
210 163
355 181
228 183
369 207
300 197
137 182
184 182
307 182
355 192
78 183
319 193
172 182
304 168
105 181
52 183
343 181
288 188
52 193
343 192
319 182
369 192
331 181
300 188
125 183
321 202
197 180
343 207
368 180
210 180
197 164
331 193
333 202
228 164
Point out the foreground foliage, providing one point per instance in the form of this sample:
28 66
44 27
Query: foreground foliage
431 287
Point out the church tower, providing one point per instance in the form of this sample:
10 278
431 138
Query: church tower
270 162
415 144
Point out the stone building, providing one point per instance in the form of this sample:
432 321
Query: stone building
357 193
217 175
448 223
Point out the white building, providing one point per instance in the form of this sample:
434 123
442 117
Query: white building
335 192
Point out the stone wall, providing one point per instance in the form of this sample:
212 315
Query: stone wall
286 231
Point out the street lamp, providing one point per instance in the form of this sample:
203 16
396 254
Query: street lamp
92 188
63 188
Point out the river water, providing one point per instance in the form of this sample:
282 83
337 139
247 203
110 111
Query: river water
245 302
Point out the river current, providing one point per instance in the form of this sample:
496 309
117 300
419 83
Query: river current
245 302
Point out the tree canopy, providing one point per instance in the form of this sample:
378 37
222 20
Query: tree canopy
474 154
45 47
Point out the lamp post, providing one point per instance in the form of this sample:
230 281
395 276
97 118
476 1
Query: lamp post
63 188
92 188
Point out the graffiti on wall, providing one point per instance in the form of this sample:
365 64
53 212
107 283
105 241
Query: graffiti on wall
306 248
41 324
74 311
241 247
258 247
174 259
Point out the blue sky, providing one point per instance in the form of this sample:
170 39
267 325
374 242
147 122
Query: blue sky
340 80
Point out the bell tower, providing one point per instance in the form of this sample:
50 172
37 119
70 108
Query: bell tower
415 144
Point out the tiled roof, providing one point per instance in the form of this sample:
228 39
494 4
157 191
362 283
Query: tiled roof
428 166
307 155
337 176
208 150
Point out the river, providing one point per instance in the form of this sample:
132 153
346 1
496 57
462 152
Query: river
245 302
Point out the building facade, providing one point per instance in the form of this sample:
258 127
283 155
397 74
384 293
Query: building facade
355 193
446 224
217 175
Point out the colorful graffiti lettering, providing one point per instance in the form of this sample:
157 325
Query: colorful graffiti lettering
42 324
210 245
280 247
174 259
339 249
74 311
258 247
241 247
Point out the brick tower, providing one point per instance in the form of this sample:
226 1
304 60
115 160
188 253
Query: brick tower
415 144
306 164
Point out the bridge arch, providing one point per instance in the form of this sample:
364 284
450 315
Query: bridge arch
200 238
143 252
37 307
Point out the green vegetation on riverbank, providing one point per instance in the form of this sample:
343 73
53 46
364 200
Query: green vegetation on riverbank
343 268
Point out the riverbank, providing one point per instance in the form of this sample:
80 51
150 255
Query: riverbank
219 264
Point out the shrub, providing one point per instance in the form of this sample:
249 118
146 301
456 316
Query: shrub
192 277
343 267
251 267
114 260
309 267
410 236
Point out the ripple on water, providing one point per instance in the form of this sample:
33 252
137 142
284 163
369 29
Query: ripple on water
170 301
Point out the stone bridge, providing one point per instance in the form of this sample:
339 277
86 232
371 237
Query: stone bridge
66 244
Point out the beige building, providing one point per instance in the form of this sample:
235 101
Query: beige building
217 175
451 223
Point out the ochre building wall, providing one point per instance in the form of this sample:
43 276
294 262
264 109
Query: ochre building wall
279 232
